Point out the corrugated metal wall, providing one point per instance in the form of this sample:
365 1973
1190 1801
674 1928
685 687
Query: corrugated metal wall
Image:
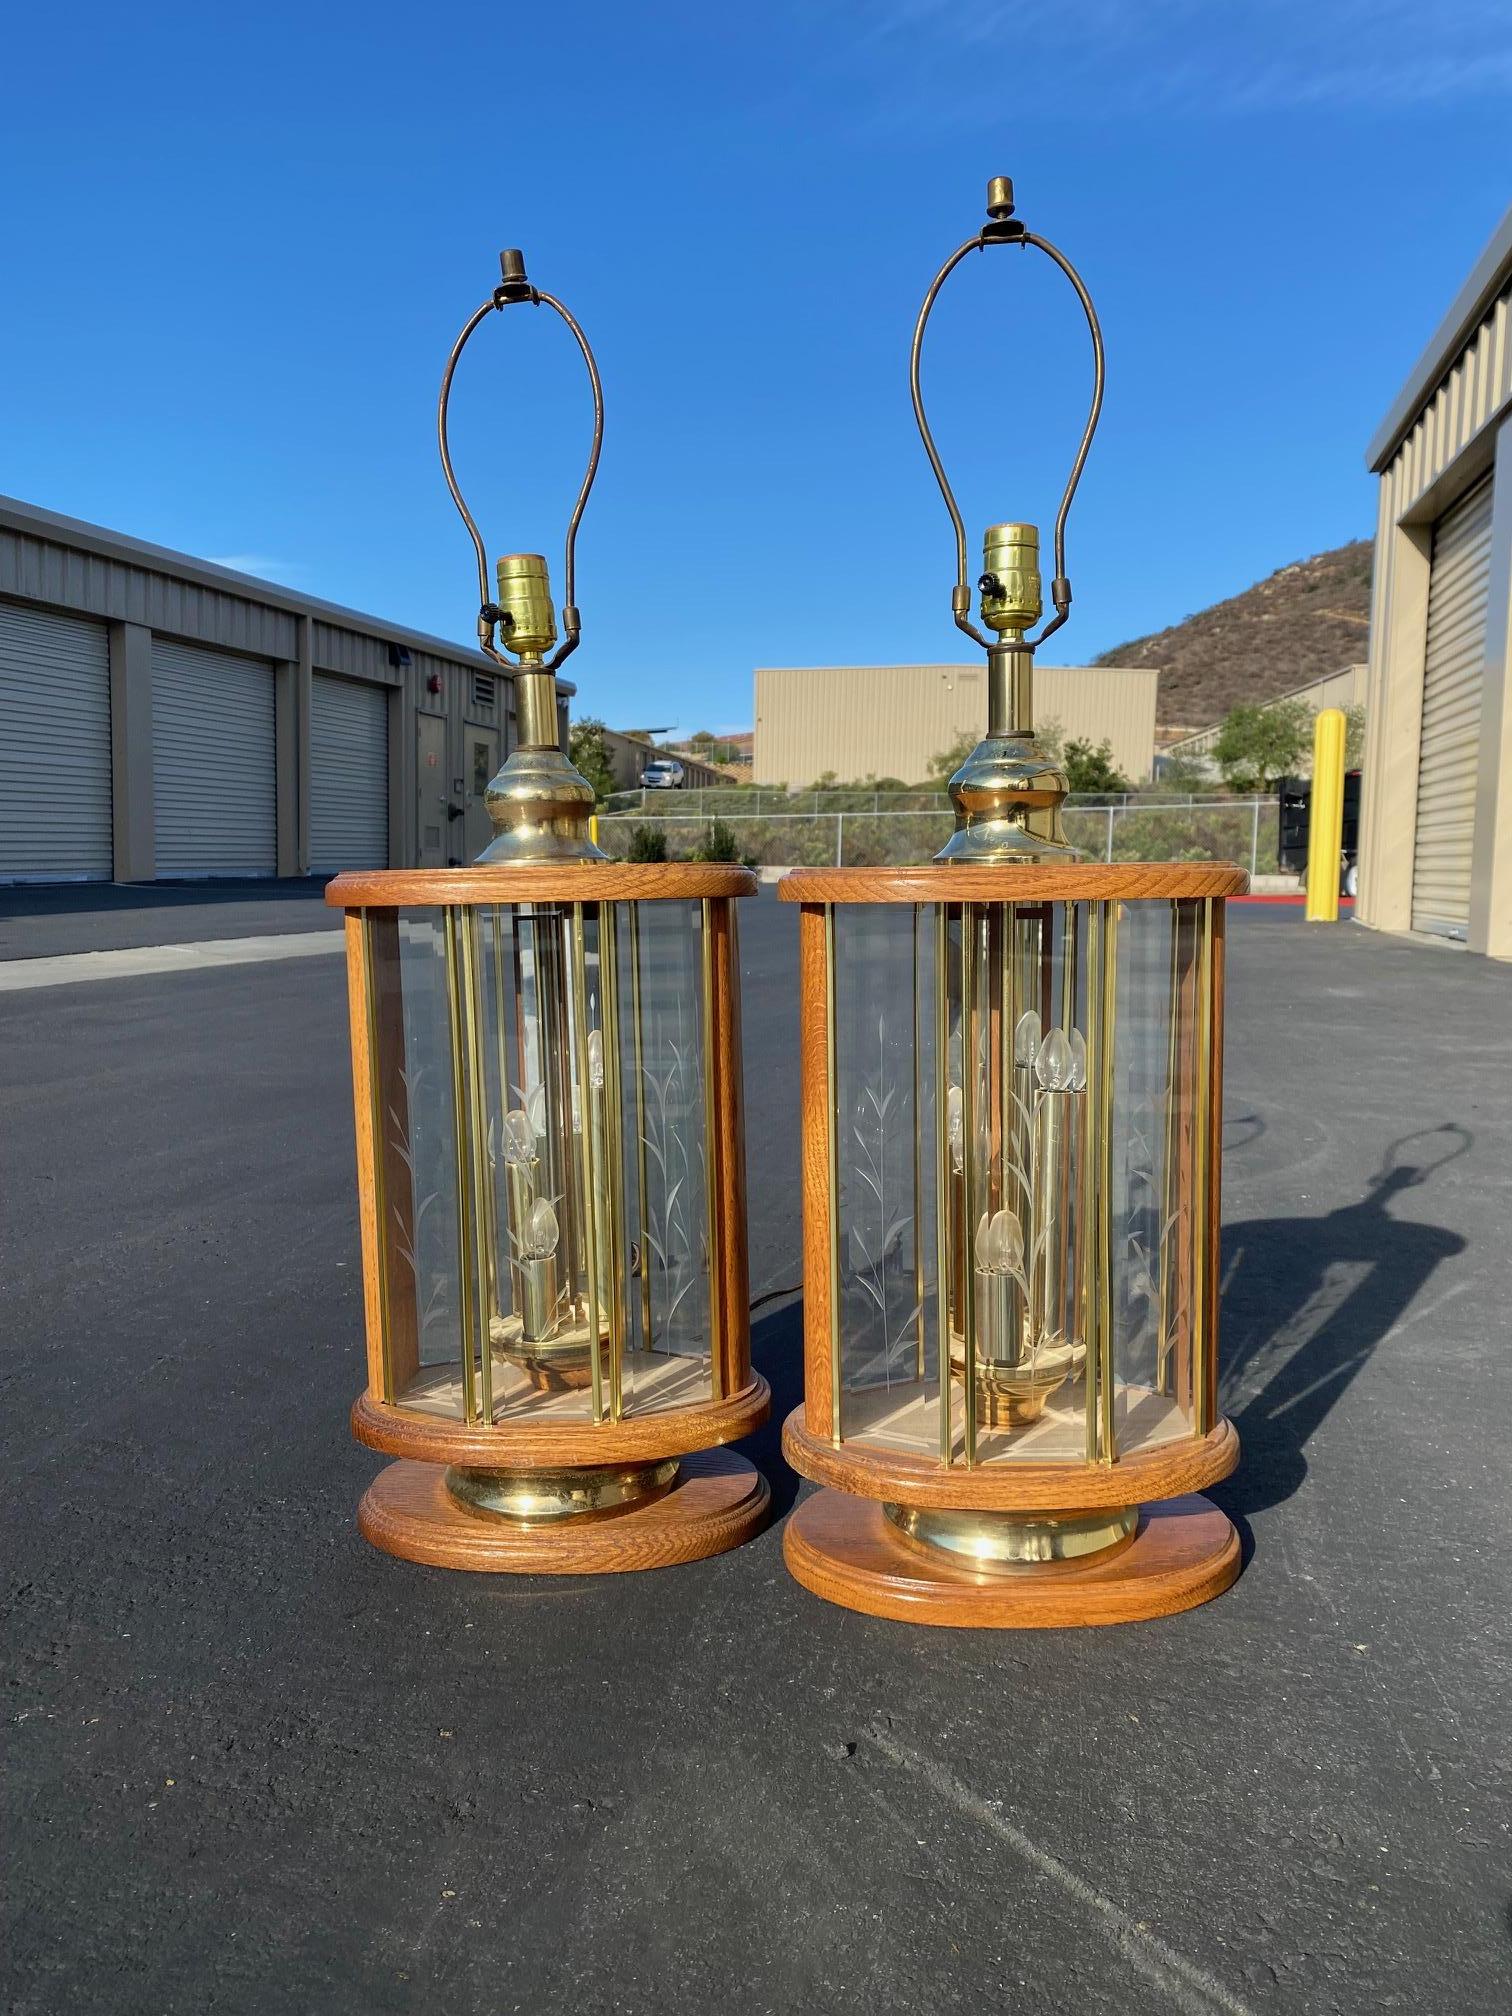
349 775
213 762
889 720
55 812
1454 681
1470 396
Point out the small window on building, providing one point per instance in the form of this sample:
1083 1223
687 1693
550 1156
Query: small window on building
483 685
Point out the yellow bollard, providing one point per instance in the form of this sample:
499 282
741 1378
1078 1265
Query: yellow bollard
593 823
1325 826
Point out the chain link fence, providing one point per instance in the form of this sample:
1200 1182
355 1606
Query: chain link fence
1236 829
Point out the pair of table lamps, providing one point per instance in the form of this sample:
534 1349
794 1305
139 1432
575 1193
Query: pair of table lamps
1011 1110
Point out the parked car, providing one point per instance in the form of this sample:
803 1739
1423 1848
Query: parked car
662 775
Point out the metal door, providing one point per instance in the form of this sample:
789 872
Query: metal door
213 778
1454 680
432 800
349 775
55 821
480 759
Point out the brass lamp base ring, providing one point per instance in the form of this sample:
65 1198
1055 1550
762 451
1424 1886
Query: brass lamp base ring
715 1501
536 1496
1182 1552
1003 1543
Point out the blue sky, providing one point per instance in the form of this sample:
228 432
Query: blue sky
237 244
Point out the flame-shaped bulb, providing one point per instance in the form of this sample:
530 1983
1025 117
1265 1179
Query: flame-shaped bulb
1078 1061
1026 1037
519 1137
955 1129
596 1059
1056 1063
999 1244
541 1231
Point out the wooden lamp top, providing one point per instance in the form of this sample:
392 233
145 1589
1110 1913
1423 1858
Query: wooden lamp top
1033 882
539 882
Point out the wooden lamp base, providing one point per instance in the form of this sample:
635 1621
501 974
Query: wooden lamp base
717 1501
1183 1552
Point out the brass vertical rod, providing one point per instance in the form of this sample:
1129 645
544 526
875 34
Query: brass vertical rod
478 1172
380 1186
1012 1199
968 1170
501 1041
585 1160
918 1161
1163 1347
1089 1185
640 1124
943 1183
614 1184
1107 1062
711 1155
1202 1257
449 920
832 1146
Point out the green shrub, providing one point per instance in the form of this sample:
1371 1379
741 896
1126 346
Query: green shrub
647 843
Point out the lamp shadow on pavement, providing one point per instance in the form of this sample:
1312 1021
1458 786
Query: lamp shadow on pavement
777 1354
1307 1300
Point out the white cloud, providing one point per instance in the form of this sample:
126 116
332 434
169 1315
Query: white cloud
262 564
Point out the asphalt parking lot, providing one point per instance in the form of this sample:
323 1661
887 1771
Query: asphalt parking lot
253 1766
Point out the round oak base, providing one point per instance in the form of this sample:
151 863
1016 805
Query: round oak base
1183 1552
718 1500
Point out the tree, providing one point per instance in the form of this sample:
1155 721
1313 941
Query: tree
1354 737
1257 745
1089 769
590 755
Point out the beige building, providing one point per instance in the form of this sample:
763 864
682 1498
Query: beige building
1436 838
889 720
1346 688
629 755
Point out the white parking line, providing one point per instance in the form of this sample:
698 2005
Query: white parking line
72 968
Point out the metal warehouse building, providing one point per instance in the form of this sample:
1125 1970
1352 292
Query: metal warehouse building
162 718
1436 843
889 720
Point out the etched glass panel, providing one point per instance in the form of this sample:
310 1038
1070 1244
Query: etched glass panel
661 1165
885 1156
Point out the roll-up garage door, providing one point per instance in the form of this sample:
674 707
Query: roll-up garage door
1453 684
213 771
54 747
349 775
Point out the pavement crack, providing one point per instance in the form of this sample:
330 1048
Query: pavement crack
1190 1988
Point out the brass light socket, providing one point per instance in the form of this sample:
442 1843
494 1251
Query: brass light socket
525 598
1012 601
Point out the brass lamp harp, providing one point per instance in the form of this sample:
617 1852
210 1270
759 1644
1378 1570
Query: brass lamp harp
539 803
1008 794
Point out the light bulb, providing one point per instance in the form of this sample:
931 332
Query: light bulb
1055 1063
541 1232
1078 1061
1026 1037
999 1244
519 1137
596 1059
955 1129
535 1106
